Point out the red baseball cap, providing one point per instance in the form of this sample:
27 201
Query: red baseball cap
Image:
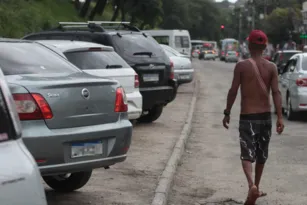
257 37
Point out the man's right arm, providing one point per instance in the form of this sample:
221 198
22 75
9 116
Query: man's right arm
276 92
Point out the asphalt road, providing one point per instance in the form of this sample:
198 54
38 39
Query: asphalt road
210 171
133 182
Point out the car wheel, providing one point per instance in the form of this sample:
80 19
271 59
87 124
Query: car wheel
68 182
291 115
152 115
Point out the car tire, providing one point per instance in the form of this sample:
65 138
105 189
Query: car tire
152 115
68 184
291 115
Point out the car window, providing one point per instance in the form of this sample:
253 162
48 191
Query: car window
170 49
88 60
290 65
162 39
304 63
7 130
137 45
30 58
168 53
182 42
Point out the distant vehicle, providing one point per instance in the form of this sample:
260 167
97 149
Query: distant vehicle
207 53
232 56
196 47
103 61
72 122
19 173
184 73
214 46
293 86
281 58
178 39
228 44
145 56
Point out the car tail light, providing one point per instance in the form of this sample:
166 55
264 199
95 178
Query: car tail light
32 106
237 53
223 52
136 81
302 82
121 104
172 75
198 52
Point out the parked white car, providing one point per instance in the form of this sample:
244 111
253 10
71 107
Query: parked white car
19 175
102 61
183 71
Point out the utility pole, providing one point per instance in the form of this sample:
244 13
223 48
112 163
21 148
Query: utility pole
253 16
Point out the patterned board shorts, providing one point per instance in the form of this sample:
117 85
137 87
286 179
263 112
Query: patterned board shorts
255 134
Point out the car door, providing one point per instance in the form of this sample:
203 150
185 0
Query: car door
284 79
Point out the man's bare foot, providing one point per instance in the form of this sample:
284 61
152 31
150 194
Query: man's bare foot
253 194
261 194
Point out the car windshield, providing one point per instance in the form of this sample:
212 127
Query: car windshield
173 51
168 53
87 60
137 45
29 58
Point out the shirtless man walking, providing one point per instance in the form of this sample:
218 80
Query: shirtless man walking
256 77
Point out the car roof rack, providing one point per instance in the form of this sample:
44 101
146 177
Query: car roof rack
80 25
112 25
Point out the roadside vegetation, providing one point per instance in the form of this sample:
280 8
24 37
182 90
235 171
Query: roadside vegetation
203 18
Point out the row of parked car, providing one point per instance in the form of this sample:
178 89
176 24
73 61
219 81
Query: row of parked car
77 87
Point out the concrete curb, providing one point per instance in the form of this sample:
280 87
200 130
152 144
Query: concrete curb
166 179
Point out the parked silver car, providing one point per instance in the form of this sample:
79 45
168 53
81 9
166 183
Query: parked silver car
293 86
19 174
183 71
72 122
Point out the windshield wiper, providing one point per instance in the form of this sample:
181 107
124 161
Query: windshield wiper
113 66
143 53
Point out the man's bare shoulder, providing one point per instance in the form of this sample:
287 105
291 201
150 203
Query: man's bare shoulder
270 66
241 65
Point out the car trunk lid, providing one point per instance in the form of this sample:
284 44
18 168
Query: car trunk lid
66 97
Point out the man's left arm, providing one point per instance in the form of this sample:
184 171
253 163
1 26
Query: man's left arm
233 91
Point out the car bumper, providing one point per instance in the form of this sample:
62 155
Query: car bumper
184 76
135 102
52 148
232 59
158 95
209 56
299 99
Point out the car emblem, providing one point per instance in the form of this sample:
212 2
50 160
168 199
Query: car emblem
151 66
85 93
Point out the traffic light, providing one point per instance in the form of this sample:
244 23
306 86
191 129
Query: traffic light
222 26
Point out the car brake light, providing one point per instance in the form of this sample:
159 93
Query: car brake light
172 75
136 81
237 53
302 82
223 52
32 106
120 101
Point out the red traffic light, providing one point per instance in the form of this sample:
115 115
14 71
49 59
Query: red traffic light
222 26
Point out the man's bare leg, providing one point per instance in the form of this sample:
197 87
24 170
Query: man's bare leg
248 171
258 174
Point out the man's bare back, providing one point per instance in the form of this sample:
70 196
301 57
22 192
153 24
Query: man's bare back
253 98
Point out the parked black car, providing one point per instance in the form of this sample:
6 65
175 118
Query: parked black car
157 84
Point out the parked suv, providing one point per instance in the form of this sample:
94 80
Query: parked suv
157 84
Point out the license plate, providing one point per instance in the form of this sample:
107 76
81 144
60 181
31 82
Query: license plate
83 149
184 76
150 77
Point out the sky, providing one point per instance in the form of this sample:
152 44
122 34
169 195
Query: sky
233 1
